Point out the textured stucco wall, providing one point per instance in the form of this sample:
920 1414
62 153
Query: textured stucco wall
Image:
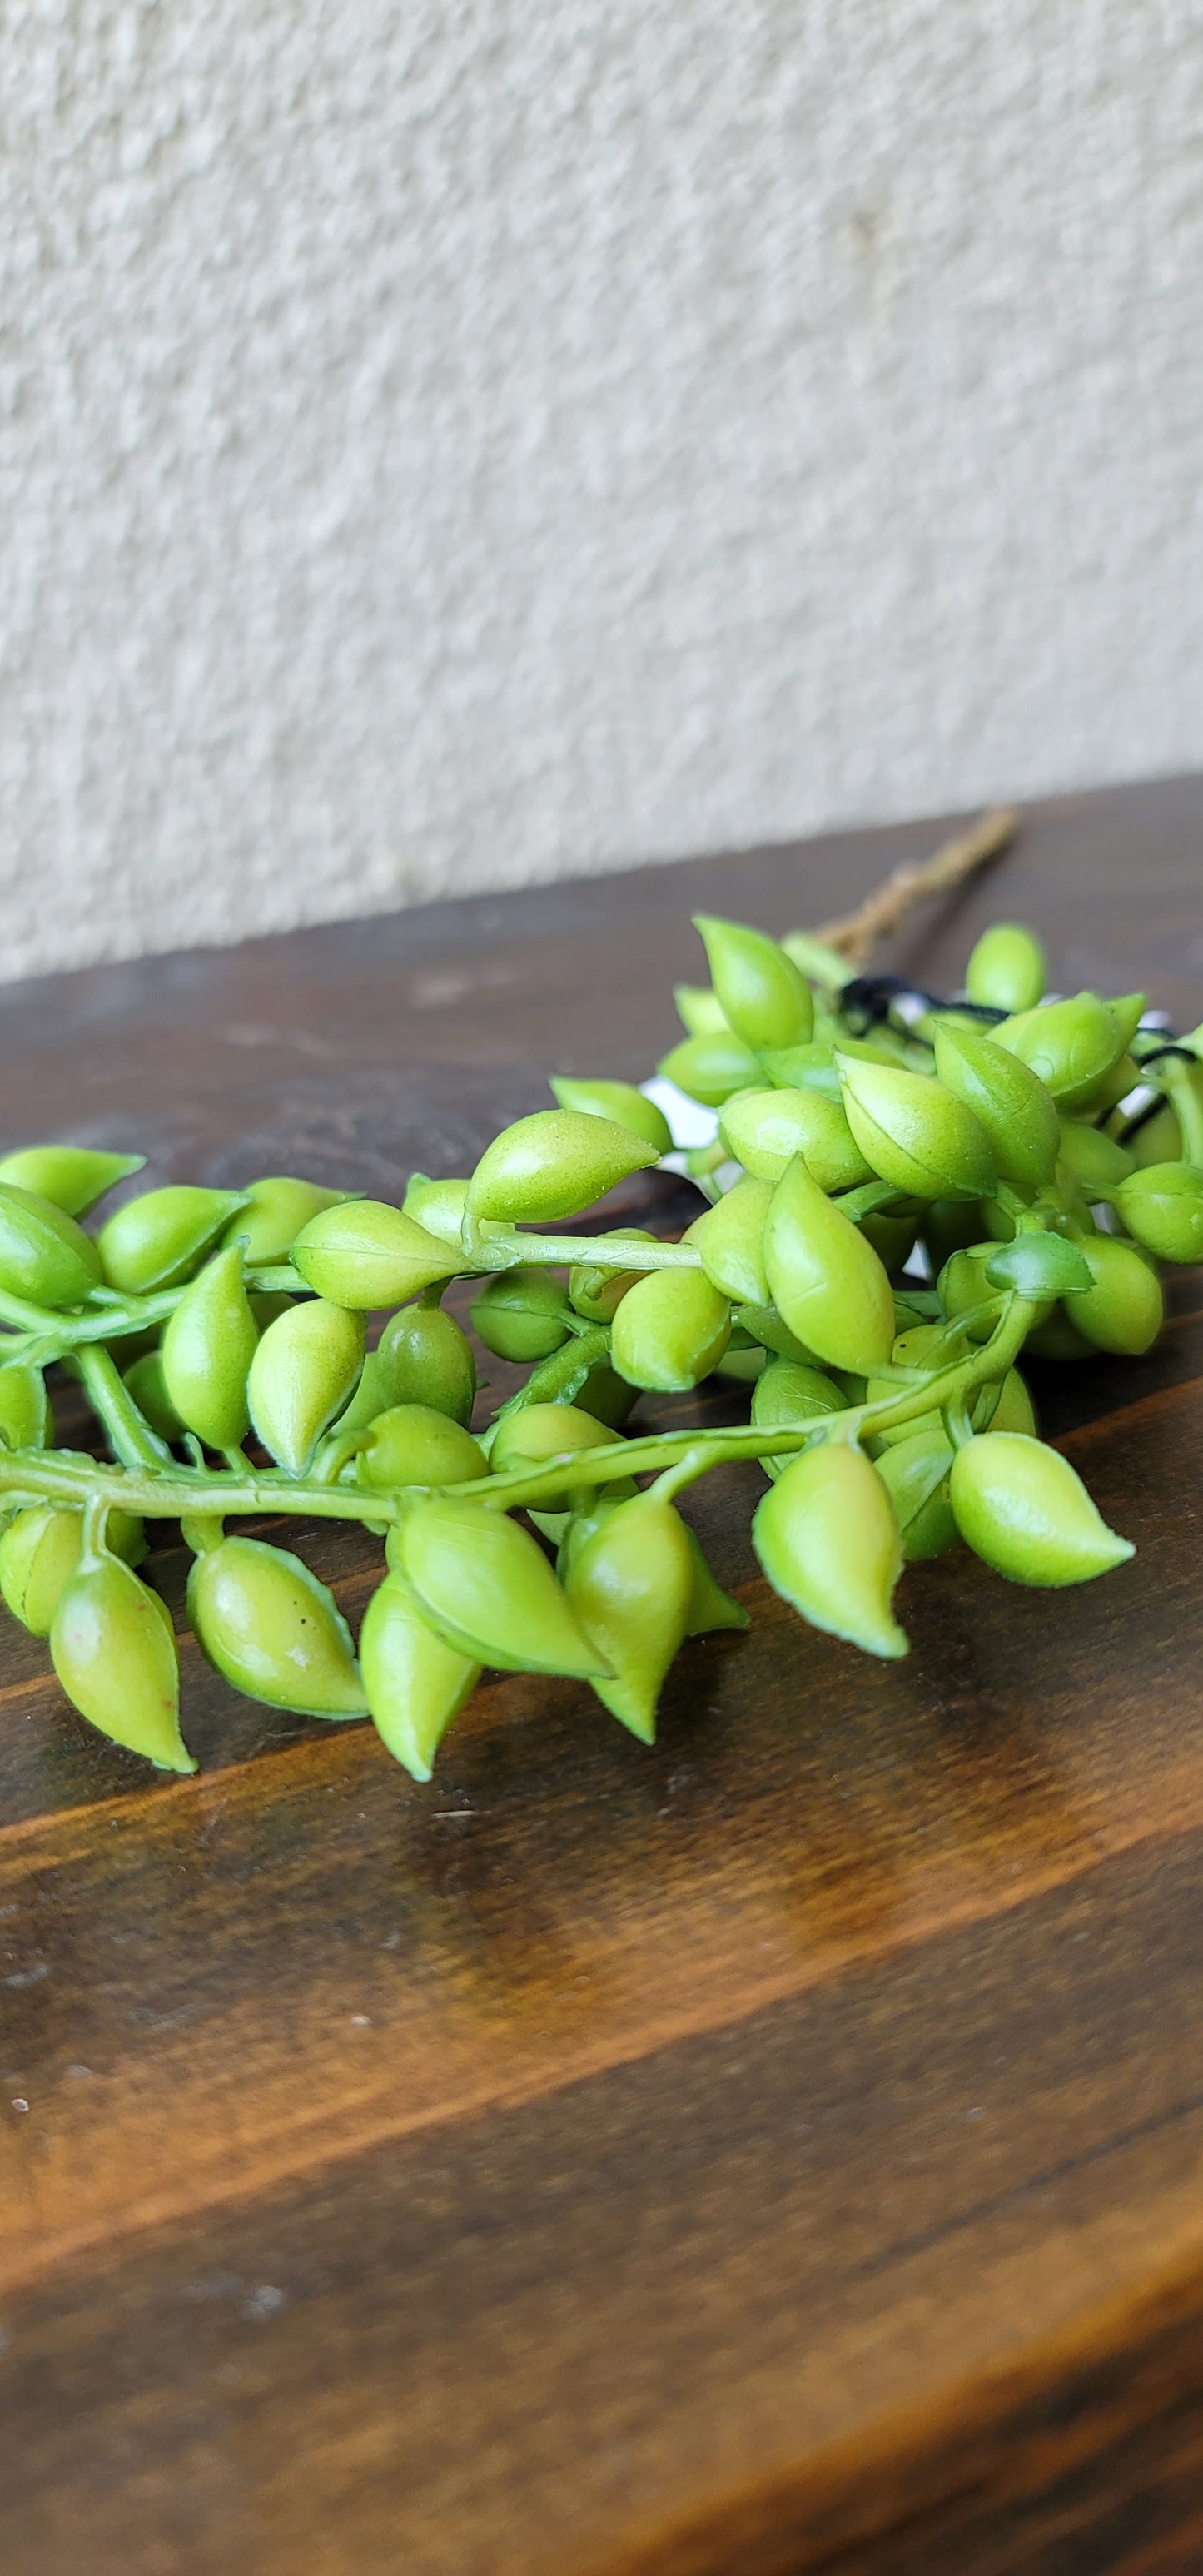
446 445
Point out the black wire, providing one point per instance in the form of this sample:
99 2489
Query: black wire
871 998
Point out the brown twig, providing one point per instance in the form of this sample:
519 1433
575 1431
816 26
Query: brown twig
911 883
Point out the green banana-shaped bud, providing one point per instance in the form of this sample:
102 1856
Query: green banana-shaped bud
39 1552
1008 1100
671 1330
160 1239
632 1588
73 1176
827 1282
302 1373
711 1066
789 1391
208 1346
594 1292
26 1421
522 1314
1008 969
552 1165
763 995
113 1650
44 1254
364 1253
1123 1310
1091 1159
763 1130
487 1587
710 1608
1162 1207
916 1133
699 1009
828 1541
914 1472
730 1238
416 1683
424 1358
411 1444
618 1101
272 1630
538 1433
438 1207
1072 1045
145 1382
274 1213
1024 1511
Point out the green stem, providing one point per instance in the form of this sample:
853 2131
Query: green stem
1178 1081
559 1378
503 1250
128 1432
184 1492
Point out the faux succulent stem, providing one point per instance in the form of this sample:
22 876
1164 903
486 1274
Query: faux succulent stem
129 1434
1180 1086
32 1476
502 1248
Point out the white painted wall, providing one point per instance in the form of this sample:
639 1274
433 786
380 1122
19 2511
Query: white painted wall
457 442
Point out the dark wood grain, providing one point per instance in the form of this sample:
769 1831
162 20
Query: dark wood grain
776 2151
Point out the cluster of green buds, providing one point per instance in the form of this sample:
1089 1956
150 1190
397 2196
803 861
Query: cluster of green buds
901 1196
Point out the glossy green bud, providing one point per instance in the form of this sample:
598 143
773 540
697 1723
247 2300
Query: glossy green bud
764 996
828 1283
632 1586
538 1433
26 1421
764 1325
594 1292
425 1358
914 1472
412 1444
1008 1407
893 1232
489 1590
275 1211
1008 1100
1024 1511
272 1630
699 1009
1071 1045
44 1254
915 1132
114 1653
39 1551
208 1346
606 1396
144 1379
73 1177
618 1101
301 1375
1162 1207
1124 1309
1092 1159
160 1239
671 1330
763 1130
710 1608
710 1067
416 1683
828 1541
730 1238
1160 1138
1008 969
788 1391
552 1165
521 1314
364 1253
438 1207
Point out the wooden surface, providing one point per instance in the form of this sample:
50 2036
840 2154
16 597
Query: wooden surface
781 2150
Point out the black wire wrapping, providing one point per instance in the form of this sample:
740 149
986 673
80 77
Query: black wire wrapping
872 997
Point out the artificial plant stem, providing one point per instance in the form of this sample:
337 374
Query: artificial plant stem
502 1248
566 1368
128 1432
1179 1082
